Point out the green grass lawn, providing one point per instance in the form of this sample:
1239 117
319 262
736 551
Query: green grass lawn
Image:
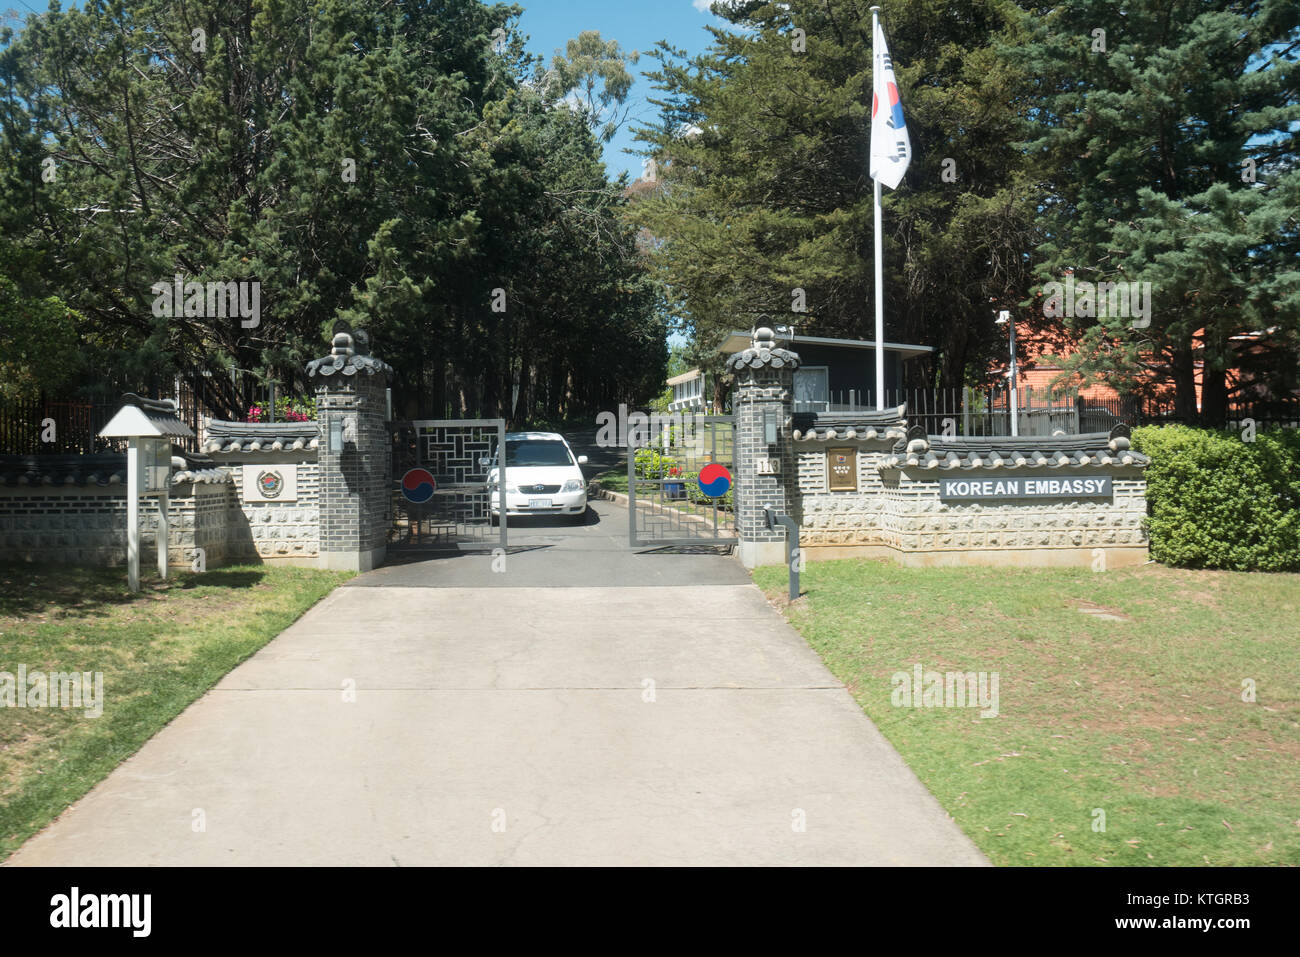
1140 718
614 480
158 650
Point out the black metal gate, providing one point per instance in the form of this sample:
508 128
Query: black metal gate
681 482
441 496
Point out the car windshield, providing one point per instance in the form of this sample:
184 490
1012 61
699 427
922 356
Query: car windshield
526 453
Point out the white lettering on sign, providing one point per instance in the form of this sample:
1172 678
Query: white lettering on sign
1065 486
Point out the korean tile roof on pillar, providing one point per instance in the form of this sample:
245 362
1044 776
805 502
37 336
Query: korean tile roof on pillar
1097 449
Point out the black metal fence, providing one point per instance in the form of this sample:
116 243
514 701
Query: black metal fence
982 412
63 424
43 426
963 411
1273 413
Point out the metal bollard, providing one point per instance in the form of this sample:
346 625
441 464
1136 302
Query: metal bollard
792 555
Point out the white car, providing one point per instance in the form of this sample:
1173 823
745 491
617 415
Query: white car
542 477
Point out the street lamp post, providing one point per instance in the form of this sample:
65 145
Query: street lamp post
1004 319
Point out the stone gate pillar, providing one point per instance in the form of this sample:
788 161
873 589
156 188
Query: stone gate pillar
351 412
764 392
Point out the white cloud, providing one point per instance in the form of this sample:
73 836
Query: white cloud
704 5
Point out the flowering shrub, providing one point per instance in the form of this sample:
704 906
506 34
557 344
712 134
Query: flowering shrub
286 410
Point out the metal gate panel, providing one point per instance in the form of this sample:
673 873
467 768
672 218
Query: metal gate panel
666 503
440 499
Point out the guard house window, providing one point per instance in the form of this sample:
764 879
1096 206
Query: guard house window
812 392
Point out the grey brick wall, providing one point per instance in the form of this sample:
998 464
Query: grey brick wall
63 525
354 481
81 526
87 525
757 393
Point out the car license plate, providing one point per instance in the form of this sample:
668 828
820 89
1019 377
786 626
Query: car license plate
539 503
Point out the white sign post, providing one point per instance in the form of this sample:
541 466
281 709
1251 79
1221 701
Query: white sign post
164 534
149 426
133 516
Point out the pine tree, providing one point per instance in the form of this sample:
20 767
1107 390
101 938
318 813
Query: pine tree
390 164
762 156
1165 138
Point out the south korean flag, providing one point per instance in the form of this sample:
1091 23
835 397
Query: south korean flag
891 148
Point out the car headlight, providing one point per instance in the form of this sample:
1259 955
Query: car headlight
573 485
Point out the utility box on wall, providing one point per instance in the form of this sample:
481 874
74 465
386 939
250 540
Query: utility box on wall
771 432
842 470
155 471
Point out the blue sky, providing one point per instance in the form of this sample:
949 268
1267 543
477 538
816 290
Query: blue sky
636 25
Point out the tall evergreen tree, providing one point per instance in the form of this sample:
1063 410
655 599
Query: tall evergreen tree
1164 133
395 165
763 185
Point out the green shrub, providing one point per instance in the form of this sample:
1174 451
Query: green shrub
1216 501
651 463
696 494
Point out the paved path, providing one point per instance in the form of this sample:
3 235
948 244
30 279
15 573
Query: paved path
589 705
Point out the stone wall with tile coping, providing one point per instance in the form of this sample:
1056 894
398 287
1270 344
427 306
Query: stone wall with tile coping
86 524
80 525
898 513
914 519
279 532
58 511
841 518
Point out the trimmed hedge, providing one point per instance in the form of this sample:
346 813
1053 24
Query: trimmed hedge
1217 501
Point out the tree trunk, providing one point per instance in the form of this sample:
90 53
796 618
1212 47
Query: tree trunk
1214 396
1183 369
952 370
437 405
555 388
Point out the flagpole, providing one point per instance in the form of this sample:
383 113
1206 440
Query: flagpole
880 258
880 311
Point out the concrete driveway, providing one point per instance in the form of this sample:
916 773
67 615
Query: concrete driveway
587 705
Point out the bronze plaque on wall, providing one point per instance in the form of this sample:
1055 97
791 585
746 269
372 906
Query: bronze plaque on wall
842 470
